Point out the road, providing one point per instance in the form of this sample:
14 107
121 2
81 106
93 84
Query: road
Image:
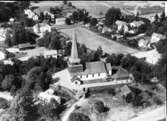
93 41
103 84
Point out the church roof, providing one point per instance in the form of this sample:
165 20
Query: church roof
74 51
91 68
95 67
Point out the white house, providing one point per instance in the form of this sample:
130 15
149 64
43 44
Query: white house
2 55
60 21
136 24
3 32
46 97
156 37
122 25
41 28
50 53
8 62
30 14
144 43
48 13
106 29
13 50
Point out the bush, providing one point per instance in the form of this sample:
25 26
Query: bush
157 100
3 103
78 117
99 106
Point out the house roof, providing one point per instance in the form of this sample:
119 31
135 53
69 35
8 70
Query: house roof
118 22
120 73
108 66
125 90
137 23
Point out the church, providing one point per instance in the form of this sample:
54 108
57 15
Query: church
94 70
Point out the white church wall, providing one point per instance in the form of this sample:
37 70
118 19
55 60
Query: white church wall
93 76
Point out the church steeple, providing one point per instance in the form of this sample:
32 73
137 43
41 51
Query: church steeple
74 59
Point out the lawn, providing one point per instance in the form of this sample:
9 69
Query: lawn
93 41
94 7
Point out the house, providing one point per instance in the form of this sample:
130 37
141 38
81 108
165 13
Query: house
156 37
116 36
60 21
13 50
122 26
2 55
119 73
30 14
106 29
45 97
3 32
125 90
48 13
67 10
50 53
41 28
136 24
8 62
144 42
25 46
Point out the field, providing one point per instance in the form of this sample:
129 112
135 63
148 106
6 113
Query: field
93 41
95 7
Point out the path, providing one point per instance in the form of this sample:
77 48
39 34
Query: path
72 108
155 115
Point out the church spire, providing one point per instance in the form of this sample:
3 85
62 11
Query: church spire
74 59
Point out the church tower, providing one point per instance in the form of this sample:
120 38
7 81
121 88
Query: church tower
74 59
74 65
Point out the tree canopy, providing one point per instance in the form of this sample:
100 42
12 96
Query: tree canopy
112 15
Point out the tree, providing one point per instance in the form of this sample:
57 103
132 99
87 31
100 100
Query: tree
99 106
37 75
64 2
69 4
8 40
7 82
78 117
22 107
93 22
68 21
156 18
22 35
3 103
49 110
112 15
162 16
75 16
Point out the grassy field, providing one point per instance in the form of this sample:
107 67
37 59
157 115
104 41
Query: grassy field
95 7
93 41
